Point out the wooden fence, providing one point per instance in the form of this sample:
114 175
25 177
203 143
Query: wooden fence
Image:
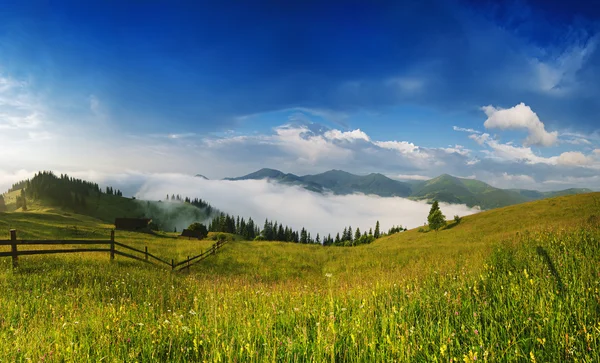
108 246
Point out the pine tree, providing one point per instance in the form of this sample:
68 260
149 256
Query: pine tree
377 233
318 239
2 203
436 219
357 234
303 236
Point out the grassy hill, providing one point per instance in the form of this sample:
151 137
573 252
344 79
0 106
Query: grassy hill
451 189
512 284
168 216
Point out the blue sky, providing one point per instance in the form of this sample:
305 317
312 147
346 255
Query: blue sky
505 92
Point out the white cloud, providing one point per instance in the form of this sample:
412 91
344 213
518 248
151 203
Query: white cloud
480 139
520 117
573 158
403 147
508 152
577 141
462 129
458 149
346 136
307 147
318 213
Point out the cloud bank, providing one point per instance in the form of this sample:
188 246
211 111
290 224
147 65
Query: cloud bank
295 206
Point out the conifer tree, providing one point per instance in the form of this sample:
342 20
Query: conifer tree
436 219
377 233
303 236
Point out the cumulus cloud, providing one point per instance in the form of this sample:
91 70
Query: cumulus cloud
573 158
520 117
346 136
403 147
295 206
308 147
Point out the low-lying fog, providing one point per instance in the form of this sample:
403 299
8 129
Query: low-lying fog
295 206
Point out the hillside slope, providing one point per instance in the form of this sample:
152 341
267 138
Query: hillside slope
476 290
473 238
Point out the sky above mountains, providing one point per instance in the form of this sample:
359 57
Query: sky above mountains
504 92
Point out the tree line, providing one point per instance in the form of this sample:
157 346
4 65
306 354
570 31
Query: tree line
275 231
63 191
196 202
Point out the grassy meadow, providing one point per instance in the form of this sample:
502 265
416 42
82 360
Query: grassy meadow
519 283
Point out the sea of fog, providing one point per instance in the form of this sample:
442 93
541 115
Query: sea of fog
260 199
295 206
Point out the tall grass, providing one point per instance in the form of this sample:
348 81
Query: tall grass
535 298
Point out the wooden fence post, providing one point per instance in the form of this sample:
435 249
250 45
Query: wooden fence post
13 248
146 255
112 244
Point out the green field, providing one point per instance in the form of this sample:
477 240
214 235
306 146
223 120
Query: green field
519 283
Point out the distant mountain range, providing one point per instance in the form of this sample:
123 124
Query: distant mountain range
444 188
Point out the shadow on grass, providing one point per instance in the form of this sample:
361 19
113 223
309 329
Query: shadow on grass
544 254
450 226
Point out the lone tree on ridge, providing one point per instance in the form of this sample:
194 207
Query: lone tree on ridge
436 219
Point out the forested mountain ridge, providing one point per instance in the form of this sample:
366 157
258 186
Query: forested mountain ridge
445 188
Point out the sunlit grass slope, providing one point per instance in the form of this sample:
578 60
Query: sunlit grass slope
474 291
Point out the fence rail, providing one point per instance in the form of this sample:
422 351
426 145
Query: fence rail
196 259
15 252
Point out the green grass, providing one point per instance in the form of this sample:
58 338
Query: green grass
476 290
